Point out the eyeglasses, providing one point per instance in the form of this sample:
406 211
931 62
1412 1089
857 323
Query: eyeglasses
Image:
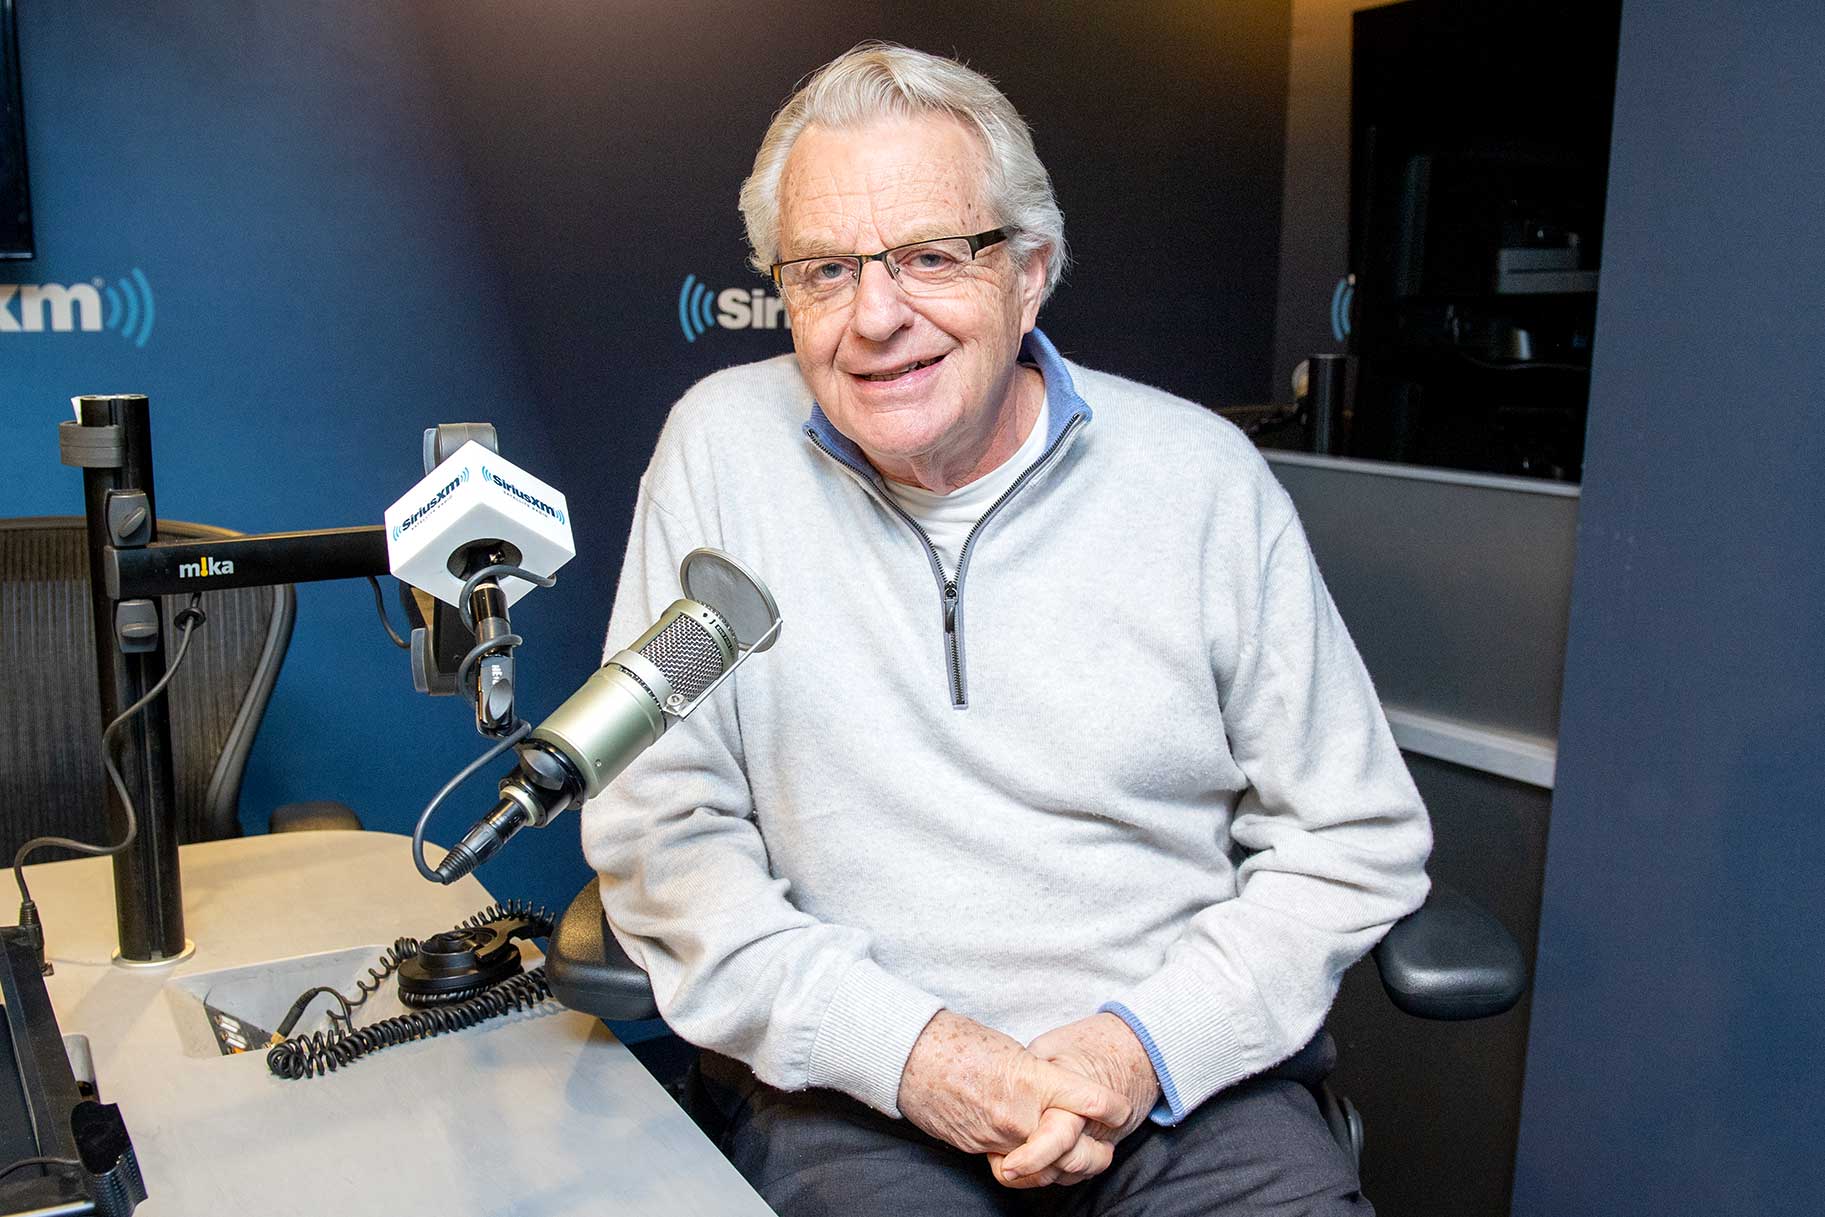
923 268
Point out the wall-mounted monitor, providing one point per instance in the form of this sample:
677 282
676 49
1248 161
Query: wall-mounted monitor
1480 160
15 199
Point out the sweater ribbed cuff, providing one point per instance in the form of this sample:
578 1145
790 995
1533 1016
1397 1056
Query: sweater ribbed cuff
1195 1038
867 1033
1170 1109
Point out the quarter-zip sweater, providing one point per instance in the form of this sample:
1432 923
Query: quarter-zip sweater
1152 776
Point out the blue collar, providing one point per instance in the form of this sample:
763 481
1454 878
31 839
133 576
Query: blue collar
1062 405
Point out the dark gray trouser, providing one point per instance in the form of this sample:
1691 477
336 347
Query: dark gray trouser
1258 1148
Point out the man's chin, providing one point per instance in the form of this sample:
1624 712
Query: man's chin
898 431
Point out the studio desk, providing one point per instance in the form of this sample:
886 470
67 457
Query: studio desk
541 1112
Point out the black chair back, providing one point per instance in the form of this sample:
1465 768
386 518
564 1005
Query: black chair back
51 777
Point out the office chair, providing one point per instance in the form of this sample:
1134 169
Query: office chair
51 777
1449 959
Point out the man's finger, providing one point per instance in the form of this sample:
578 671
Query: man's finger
1056 1133
1045 1178
1088 1157
1089 1099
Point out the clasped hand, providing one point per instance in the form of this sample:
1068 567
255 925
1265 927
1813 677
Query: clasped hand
1051 1112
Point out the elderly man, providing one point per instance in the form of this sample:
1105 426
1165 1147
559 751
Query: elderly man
1048 827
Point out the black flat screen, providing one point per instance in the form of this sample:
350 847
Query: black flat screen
15 200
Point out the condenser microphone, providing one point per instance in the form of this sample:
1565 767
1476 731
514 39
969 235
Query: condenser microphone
725 616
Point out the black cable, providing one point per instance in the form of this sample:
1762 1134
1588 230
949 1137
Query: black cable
498 571
190 618
342 1043
327 1051
478 652
521 729
503 644
303 1003
519 733
404 949
41 1160
390 959
380 606
341 1023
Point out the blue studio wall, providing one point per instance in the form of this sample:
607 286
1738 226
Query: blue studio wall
314 294
317 228
1676 1043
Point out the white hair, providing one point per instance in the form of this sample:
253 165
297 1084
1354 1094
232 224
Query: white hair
883 80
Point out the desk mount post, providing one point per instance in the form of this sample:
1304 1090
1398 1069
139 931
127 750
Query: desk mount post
111 441
129 570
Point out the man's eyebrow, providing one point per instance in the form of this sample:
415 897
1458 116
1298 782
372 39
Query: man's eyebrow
826 249
818 243
934 234
830 249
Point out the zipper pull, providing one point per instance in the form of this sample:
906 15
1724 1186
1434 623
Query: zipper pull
950 606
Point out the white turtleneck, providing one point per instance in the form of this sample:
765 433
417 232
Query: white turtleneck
948 518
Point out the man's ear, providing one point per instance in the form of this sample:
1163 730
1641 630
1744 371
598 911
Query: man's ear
1033 286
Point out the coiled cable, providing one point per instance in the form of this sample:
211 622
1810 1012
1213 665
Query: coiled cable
342 1042
537 916
327 1051
390 959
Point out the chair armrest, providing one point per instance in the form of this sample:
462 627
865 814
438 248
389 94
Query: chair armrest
314 817
588 970
1450 959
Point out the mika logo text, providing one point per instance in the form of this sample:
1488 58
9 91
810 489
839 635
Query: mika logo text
124 306
205 568
734 308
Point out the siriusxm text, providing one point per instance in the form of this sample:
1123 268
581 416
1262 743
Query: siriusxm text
67 308
431 505
536 504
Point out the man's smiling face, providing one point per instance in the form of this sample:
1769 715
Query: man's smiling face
919 382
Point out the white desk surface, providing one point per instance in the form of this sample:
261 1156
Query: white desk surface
534 1114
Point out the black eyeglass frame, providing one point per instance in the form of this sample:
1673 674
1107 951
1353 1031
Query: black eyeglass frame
977 243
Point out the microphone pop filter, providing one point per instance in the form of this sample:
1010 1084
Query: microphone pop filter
713 578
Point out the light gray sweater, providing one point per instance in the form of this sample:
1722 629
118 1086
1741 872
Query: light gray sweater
1151 775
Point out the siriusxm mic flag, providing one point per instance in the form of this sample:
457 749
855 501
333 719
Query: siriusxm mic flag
476 498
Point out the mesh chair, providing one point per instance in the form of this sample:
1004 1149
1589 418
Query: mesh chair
51 777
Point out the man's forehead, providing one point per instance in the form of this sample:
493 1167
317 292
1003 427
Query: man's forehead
893 181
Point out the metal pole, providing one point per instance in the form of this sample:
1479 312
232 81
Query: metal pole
1328 402
148 897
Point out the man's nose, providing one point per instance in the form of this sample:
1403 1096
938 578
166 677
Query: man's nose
880 305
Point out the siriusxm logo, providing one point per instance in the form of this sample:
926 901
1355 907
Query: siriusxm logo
735 308
539 505
33 308
401 528
1342 297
